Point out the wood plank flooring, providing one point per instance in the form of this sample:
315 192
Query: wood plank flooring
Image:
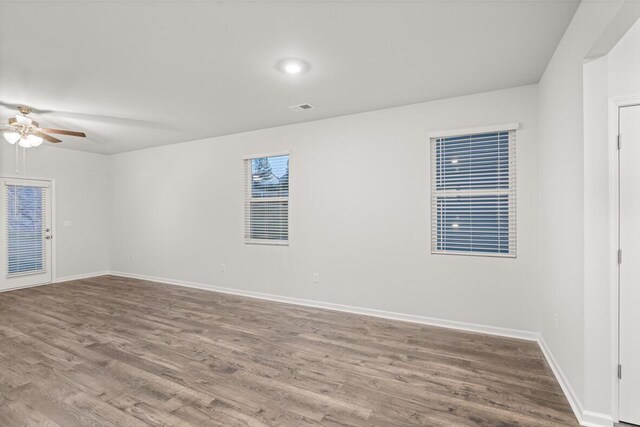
114 351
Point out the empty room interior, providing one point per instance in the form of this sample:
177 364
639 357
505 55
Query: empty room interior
320 213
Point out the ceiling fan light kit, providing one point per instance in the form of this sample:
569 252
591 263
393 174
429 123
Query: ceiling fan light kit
12 137
28 142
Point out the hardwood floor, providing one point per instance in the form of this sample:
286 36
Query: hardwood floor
115 351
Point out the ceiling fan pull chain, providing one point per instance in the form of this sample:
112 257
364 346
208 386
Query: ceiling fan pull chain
17 160
24 160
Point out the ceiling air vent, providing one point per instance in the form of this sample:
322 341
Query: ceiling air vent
301 107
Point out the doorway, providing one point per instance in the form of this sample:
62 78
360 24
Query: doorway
26 230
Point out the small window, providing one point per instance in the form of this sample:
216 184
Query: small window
473 194
267 200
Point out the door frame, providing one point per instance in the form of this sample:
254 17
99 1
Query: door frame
614 241
52 187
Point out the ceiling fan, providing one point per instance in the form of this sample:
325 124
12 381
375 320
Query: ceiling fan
28 133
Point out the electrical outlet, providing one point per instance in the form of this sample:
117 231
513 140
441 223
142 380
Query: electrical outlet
316 277
67 223
223 267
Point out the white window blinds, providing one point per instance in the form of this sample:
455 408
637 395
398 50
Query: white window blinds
25 216
473 194
267 200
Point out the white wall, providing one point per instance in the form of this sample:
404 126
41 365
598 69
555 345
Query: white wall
574 217
359 214
598 250
82 191
624 64
614 75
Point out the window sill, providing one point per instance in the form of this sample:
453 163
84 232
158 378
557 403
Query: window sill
266 242
477 254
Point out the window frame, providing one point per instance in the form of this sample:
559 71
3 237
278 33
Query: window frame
248 199
512 128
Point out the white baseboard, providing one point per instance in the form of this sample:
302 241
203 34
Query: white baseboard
24 287
595 419
58 280
469 327
80 276
585 418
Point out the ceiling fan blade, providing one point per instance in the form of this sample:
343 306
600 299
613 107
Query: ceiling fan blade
13 121
47 137
45 114
65 132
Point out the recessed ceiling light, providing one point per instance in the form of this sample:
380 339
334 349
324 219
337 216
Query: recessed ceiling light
293 66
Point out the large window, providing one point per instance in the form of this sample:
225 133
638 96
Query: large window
267 199
473 193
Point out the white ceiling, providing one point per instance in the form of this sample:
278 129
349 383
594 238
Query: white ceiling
140 74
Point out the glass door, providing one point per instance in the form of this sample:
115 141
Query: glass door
25 228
